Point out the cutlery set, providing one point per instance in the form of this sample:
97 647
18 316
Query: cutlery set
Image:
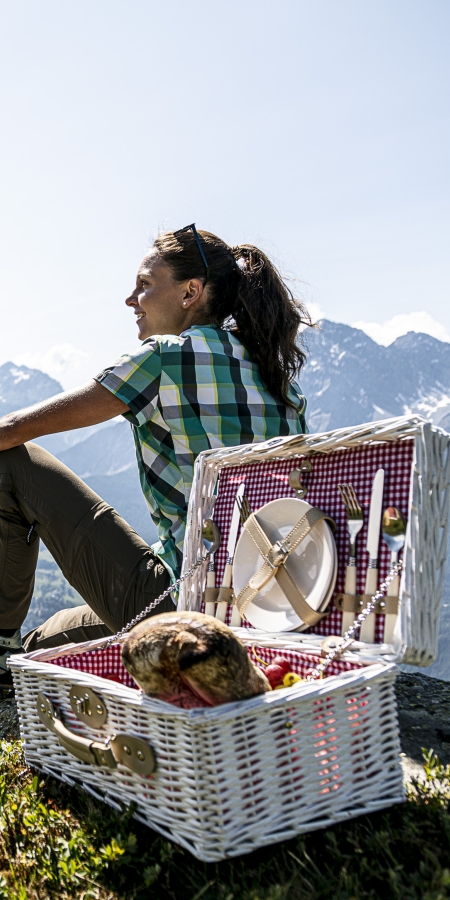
390 523
393 529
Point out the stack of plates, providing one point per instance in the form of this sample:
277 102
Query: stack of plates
312 566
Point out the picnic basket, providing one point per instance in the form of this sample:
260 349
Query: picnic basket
223 781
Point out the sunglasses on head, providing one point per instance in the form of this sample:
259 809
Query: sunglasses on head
197 240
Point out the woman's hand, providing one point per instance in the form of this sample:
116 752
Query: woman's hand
87 405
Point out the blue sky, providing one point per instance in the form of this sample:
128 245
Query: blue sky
318 129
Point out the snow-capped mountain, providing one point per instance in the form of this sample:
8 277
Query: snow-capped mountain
21 386
349 379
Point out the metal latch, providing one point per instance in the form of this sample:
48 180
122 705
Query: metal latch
277 555
88 706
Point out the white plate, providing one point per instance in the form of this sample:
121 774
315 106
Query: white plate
312 566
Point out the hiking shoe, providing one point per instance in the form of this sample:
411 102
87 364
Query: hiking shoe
8 646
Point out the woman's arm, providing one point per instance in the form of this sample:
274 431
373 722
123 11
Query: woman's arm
86 405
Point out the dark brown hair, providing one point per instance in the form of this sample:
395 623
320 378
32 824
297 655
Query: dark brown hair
247 295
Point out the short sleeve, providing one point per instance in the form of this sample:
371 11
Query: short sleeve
301 407
135 378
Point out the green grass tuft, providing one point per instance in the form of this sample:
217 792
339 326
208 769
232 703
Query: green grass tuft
59 843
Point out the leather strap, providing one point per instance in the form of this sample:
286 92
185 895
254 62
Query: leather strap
211 594
225 595
297 600
354 603
273 567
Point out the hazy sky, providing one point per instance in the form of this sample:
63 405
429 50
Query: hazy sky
318 129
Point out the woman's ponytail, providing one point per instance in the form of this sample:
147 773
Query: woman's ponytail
268 319
245 294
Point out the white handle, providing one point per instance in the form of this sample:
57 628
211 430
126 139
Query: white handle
350 588
221 611
210 607
368 627
226 580
236 620
222 606
391 618
350 580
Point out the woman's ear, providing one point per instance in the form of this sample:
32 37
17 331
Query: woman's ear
192 293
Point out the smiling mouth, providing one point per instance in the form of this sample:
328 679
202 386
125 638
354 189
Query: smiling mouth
140 316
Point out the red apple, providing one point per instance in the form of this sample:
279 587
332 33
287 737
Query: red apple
282 663
274 674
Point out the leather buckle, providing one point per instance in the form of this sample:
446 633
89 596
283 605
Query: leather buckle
277 555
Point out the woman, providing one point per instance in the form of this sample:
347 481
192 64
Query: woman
216 368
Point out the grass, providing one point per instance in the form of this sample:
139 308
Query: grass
59 843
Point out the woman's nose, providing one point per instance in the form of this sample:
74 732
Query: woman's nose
133 298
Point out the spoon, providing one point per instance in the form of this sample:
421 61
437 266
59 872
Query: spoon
211 536
211 539
393 529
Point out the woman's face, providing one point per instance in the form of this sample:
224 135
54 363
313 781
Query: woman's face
161 304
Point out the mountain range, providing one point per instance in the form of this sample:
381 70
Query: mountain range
20 386
348 379
103 455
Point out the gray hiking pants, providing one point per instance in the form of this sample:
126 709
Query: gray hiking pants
102 557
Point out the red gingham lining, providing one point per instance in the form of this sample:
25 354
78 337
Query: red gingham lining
105 663
108 664
301 663
269 480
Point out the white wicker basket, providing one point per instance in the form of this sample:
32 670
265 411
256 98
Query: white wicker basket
237 777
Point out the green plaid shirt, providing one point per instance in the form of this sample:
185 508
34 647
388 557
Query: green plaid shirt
189 393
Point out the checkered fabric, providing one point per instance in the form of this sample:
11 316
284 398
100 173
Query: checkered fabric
188 393
105 663
269 480
301 663
108 663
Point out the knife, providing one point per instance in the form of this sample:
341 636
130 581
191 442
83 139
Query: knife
225 592
210 606
373 539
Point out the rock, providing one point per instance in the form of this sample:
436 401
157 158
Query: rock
9 718
424 716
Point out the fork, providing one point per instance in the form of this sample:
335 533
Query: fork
355 521
245 511
244 508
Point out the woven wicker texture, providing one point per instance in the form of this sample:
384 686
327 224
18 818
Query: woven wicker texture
236 777
350 454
